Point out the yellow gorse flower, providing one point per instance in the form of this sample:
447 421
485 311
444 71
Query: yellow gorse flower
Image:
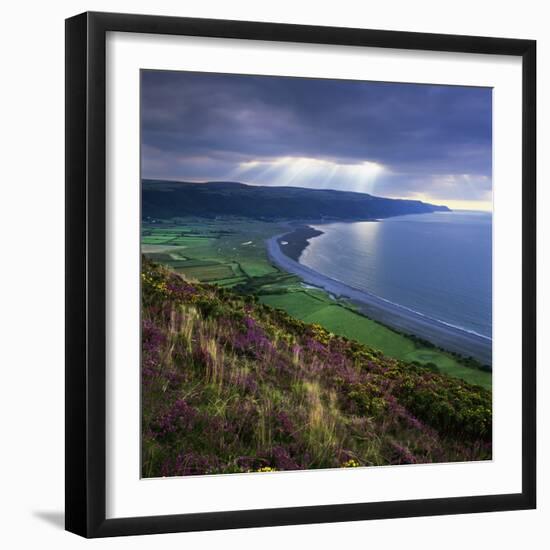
159 286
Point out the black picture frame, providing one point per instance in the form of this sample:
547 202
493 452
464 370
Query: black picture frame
86 279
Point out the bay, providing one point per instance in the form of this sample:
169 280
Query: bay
438 264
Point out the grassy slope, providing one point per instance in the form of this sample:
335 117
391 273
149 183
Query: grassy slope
231 253
345 322
232 385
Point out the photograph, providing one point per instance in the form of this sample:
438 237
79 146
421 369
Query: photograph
316 273
293 291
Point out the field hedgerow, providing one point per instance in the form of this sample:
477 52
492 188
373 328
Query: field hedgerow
232 386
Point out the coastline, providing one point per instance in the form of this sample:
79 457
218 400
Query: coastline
404 320
296 241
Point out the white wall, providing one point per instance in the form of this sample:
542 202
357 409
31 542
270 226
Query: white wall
31 288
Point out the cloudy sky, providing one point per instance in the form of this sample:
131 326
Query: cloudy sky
396 140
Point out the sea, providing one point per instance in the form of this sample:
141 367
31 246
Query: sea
437 264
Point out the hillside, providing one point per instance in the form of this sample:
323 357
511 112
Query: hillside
164 199
231 385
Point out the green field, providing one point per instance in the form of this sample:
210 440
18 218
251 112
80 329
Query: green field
235 246
231 253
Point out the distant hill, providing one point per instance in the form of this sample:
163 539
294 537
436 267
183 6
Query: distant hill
168 199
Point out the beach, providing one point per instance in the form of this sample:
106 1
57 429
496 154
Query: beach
298 240
404 320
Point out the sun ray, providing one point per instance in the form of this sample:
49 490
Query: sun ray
310 172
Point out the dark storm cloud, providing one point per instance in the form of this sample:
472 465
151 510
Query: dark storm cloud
200 125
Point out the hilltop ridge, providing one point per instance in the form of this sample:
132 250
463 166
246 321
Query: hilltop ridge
170 199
